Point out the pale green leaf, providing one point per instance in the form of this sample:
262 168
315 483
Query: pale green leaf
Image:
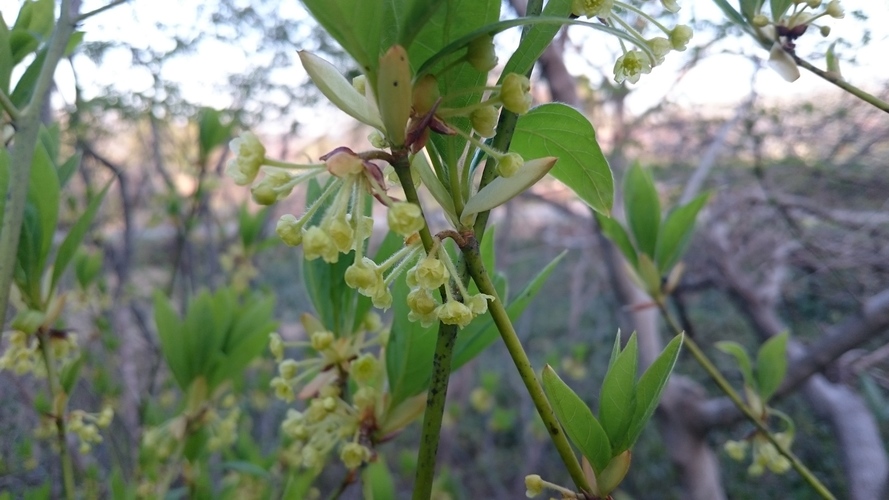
771 365
643 208
377 481
650 386
503 189
338 90
676 232
617 400
170 334
743 359
75 235
615 232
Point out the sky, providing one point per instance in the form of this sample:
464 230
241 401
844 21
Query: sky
718 81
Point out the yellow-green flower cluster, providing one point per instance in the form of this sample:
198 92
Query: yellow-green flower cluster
765 455
22 355
431 273
223 430
649 52
86 426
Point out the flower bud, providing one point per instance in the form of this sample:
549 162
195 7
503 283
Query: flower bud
405 218
341 233
362 275
276 346
321 340
421 301
680 36
344 163
480 54
288 369
760 21
425 94
534 485
364 369
825 31
268 191
835 10
660 46
353 455
671 5
592 8
509 164
484 120
431 273
515 93
289 229
813 4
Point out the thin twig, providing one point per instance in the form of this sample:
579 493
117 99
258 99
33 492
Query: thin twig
92 13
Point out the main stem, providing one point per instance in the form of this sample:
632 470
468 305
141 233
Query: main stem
523 364
59 402
27 127
727 388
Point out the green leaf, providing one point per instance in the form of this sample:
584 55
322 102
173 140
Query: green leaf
643 208
771 365
750 7
170 334
580 425
615 232
537 39
70 373
4 178
874 396
211 131
740 354
356 25
477 337
419 12
74 238
24 88
617 401
6 63
245 467
21 45
650 387
43 193
67 169
675 233
558 130
377 480
503 189
779 7
731 13
615 351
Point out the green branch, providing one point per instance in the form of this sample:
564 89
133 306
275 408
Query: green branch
8 106
59 402
100 10
843 84
729 391
523 364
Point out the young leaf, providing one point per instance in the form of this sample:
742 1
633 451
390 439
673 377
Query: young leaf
377 480
561 131
617 400
43 193
580 425
169 332
650 386
643 208
75 236
675 233
616 233
21 95
68 376
779 7
503 189
771 365
740 354
338 90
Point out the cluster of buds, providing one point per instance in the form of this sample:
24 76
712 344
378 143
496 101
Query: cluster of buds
86 426
650 52
332 419
433 272
22 355
791 25
223 429
764 455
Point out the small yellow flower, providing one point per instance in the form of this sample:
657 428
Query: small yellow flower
322 340
835 10
631 66
534 485
405 218
592 8
671 5
344 163
249 156
341 232
289 230
317 243
363 275
421 301
276 346
353 455
364 369
431 273
454 313
515 93
288 369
